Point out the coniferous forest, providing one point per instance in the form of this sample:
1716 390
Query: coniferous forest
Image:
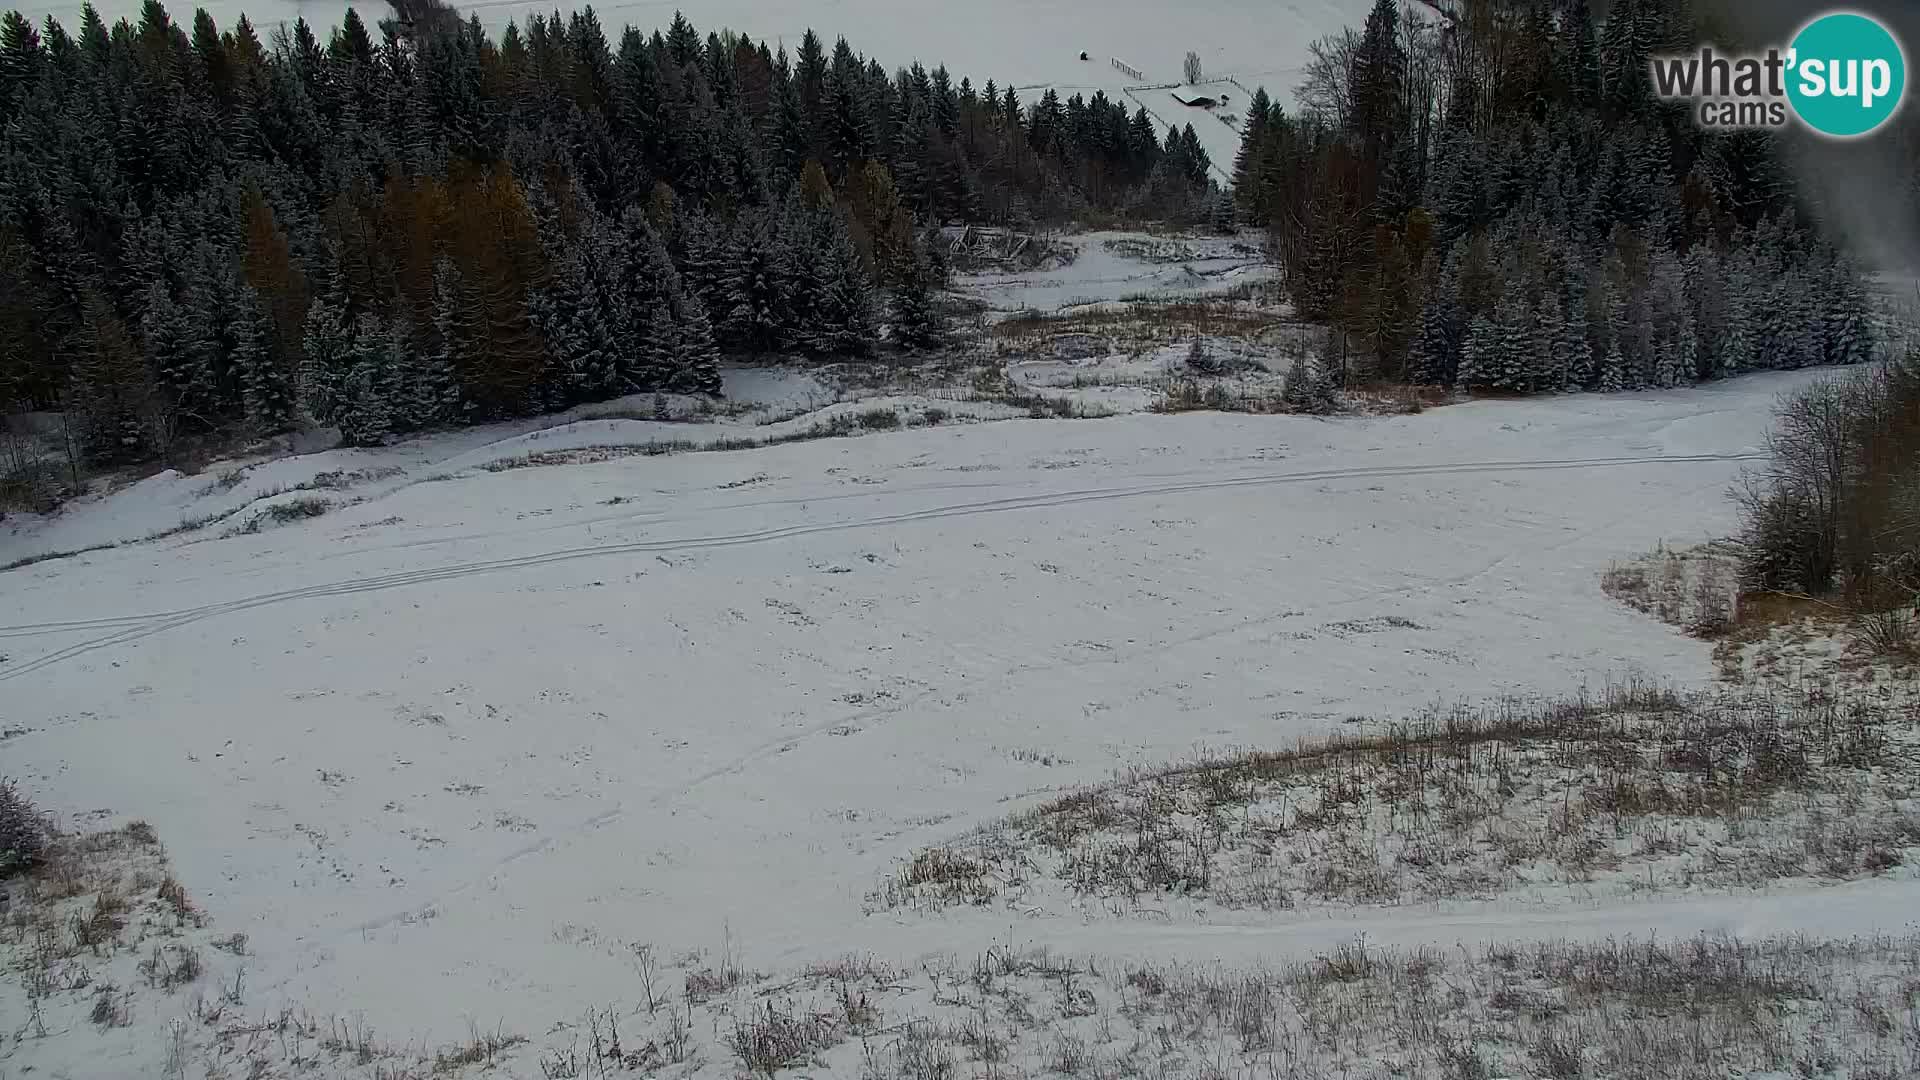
1504 205
212 232
205 231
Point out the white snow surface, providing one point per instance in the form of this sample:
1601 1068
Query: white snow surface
765 400
441 752
1114 267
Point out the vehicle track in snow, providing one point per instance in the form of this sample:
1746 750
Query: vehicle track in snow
127 629
945 832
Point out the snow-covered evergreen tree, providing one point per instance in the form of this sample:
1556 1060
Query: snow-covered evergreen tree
1574 347
1613 370
267 390
1687 351
1307 388
1552 337
366 390
327 357
451 356
916 324
1502 351
1739 348
1850 336
1433 359
844 318
171 350
571 319
756 298
699 368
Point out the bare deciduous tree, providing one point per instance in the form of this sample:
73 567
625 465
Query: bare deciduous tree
1323 90
1837 508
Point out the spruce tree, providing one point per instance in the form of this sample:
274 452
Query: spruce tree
1308 389
1481 361
699 368
1253 135
916 324
1687 351
366 389
327 357
756 302
1849 328
452 351
171 353
268 391
1573 348
844 324
1613 370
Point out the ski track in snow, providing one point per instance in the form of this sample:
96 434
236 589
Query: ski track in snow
141 626
779 745
529 757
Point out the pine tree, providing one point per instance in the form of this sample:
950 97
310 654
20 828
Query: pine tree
1548 364
699 369
1850 335
109 392
171 353
267 390
756 301
1738 350
429 391
1481 363
1613 370
1253 138
569 315
1434 357
916 323
1376 84
442 397
1573 349
1307 389
1687 351
365 389
844 318
1583 59
327 357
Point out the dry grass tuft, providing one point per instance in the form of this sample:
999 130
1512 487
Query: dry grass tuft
1633 789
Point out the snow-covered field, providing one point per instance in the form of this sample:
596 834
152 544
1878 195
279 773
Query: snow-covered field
1114 267
446 753
1030 46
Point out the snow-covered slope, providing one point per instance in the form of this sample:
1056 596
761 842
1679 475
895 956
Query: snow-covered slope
444 754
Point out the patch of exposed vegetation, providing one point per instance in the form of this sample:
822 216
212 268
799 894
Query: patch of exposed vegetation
1634 789
1695 589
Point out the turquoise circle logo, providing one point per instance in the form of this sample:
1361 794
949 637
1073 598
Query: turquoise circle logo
1848 75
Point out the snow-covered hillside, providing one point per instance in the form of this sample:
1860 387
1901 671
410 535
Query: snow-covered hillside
445 753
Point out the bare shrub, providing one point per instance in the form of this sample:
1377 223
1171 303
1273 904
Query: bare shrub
170 966
1836 510
1887 633
109 1008
100 926
916 1053
174 895
1634 788
772 1039
481 1048
879 420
